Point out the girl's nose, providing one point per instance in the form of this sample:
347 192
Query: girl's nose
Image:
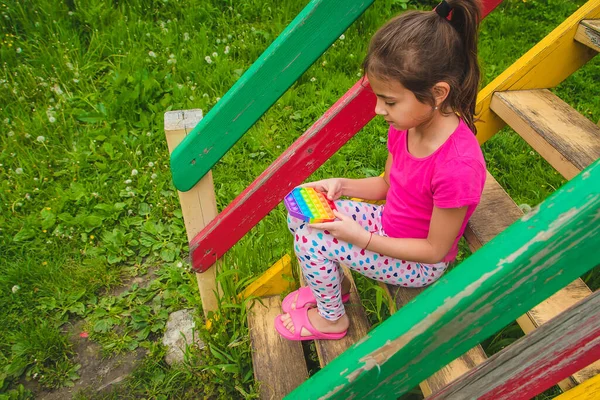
380 108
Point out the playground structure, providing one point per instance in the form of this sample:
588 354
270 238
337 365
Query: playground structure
523 267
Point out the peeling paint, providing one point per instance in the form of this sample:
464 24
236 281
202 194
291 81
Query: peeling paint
530 214
291 62
332 392
383 354
543 235
361 341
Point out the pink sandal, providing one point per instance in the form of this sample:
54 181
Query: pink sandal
305 298
300 320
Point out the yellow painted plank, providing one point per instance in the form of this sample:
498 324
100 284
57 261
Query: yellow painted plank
276 280
589 390
547 64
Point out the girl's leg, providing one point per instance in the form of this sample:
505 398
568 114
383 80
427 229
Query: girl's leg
320 254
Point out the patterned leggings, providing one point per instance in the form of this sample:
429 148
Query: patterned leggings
320 255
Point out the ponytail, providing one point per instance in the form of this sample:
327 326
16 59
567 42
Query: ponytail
465 18
422 48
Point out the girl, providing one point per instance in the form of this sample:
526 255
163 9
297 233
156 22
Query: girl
422 66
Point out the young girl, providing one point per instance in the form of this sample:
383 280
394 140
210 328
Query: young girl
422 66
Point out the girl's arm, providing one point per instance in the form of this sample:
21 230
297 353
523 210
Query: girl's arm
374 188
443 229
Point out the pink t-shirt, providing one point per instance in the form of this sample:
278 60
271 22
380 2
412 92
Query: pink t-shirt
452 177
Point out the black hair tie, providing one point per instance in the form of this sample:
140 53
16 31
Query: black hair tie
443 9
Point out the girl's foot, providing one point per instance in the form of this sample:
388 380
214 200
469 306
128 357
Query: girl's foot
318 322
345 290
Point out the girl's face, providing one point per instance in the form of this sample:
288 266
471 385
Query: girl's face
398 105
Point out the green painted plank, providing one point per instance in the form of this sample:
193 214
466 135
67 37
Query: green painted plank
319 24
532 259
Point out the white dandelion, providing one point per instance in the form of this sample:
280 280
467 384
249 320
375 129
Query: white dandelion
208 59
19 171
41 139
152 54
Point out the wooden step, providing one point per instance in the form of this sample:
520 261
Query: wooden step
566 139
327 350
496 212
588 33
279 364
451 371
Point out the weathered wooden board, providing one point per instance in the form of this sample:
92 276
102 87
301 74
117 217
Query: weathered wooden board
547 64
588 33
589 390
318 25
279 364
309 152
548 309
496 212
327 350
450 372
565 138
198 205
537 361
528 262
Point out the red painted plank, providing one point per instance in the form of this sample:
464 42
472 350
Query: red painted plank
526 368
488 6
543 375
340 123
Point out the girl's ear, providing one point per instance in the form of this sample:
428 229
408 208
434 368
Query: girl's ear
440 90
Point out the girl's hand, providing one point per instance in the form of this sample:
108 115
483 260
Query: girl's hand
332 187
345 229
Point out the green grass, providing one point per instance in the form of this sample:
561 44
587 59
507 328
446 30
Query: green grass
86 200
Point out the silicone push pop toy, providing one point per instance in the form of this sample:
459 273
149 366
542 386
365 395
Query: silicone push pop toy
309 205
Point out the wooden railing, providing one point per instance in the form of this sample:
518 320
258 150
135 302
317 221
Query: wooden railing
247 100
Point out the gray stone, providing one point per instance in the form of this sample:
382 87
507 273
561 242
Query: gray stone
179 333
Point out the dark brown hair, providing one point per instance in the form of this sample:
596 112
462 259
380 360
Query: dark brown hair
421 48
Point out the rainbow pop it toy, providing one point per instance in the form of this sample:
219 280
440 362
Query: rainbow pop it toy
309 205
